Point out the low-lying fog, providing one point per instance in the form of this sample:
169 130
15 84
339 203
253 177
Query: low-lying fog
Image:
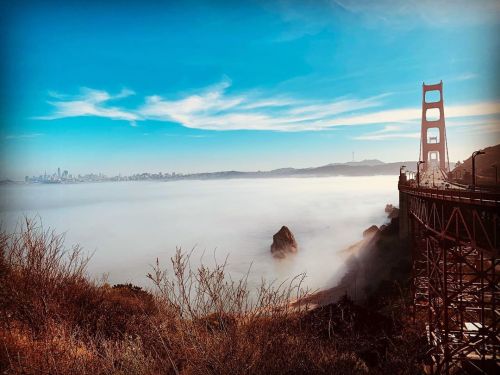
128 224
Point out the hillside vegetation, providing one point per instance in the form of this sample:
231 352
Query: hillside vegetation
55 320
485 163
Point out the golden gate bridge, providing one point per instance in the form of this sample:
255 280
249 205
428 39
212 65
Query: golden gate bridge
454 234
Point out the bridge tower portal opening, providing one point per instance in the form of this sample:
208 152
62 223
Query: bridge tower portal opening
433 143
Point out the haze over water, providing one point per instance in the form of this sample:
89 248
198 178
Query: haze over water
129 224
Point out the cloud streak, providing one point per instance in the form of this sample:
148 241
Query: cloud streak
388 132
23 136
310 18
404 14
89 102
213 108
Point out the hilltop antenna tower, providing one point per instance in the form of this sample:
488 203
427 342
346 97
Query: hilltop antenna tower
434 148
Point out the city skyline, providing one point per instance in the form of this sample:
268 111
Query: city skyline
202 88
57 175
351 168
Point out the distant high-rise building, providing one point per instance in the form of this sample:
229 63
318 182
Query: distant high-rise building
59 172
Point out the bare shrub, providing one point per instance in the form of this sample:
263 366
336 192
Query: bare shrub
55 320
207 291
39 272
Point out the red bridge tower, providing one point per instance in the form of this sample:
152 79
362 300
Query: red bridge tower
433 144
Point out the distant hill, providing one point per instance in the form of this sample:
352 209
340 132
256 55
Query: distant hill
362 163
371 167
362 168
485 171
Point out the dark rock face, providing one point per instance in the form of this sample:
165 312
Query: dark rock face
391 211
372 230
283 243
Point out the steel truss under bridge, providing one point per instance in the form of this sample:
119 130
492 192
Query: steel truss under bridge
456 270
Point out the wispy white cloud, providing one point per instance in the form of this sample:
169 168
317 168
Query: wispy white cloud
486 128
482 125
471 110
469 122
89 102
463 77
190 110
198 136
388 132
305 18
213 108
408 13
270 103
471 125
23 136
410 114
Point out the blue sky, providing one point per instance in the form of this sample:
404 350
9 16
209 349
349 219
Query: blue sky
202 86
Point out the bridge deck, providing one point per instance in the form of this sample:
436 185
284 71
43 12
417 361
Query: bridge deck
480 198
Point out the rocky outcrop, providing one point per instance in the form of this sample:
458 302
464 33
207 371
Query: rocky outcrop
392 212
370 231
371 267
283 243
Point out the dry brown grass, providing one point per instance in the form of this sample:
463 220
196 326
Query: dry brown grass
55 320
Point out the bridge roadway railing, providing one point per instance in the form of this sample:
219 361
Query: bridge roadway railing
456 215
481 198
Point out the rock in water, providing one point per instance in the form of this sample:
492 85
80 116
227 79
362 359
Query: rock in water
283 243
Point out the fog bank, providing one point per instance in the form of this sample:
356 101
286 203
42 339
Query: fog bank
128 225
